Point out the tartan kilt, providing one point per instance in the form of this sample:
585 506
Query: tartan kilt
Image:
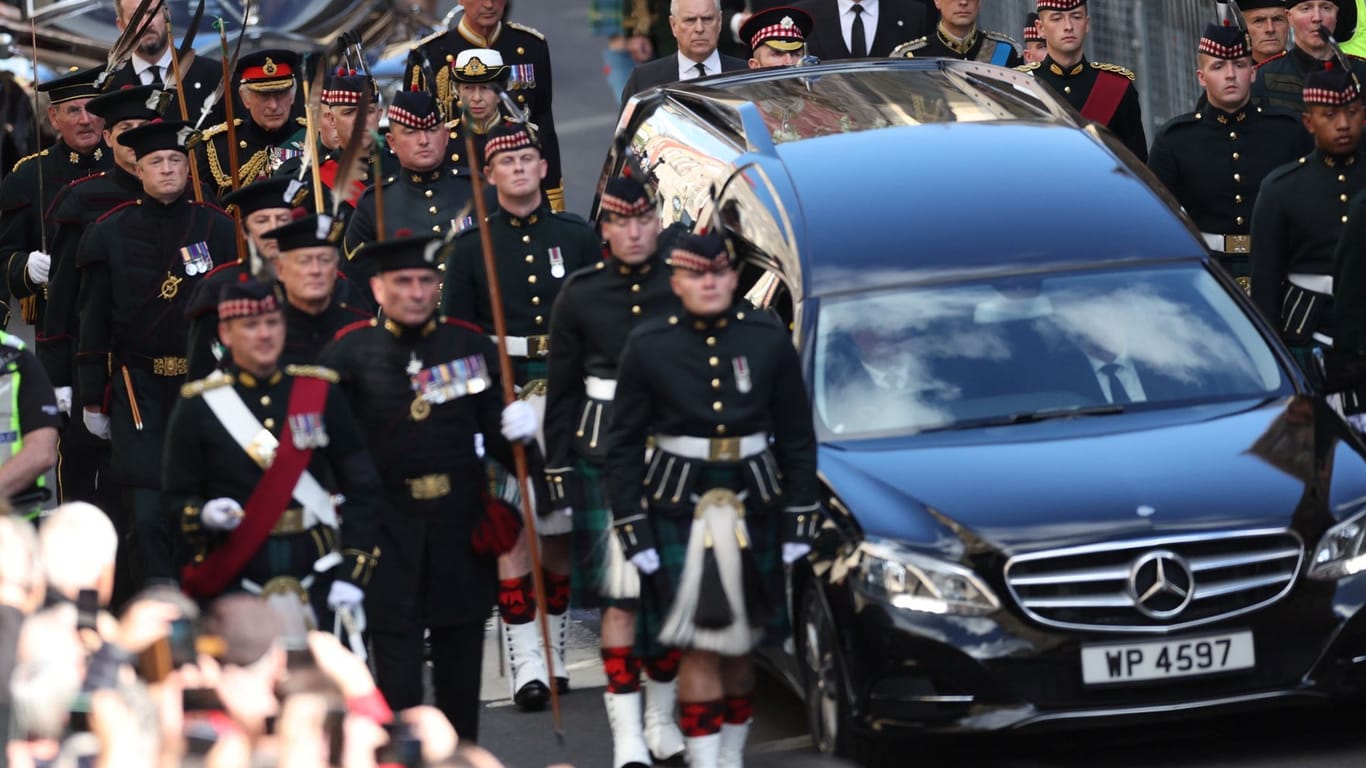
671 538
588 543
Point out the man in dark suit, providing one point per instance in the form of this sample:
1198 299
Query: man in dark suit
696 26
151 64
861 28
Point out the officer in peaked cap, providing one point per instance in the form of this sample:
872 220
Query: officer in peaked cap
776 37
1301 211
1103 93
73 210
718 386
257 519
957 37
133 339
269 133
1034 46
26 194
478 76
1280 80
1213 160
429 385
427 194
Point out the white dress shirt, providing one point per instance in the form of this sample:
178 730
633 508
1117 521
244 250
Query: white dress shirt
687 68
143 68
847 21
1127 375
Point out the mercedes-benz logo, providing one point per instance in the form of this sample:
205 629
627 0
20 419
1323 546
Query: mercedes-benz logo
1161 584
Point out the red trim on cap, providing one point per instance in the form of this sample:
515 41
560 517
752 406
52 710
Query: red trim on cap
341 97
621 207
1034 32
507 143
1221 51
777 32
282 71
247 307
404 117
1327 98
1059 5
682 259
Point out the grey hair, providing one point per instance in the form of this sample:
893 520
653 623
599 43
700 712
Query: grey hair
43 691
673 6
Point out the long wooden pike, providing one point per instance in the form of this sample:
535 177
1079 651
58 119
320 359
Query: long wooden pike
184 111
347 171
518 450
313 101
37 136
379 187
133 30
243 251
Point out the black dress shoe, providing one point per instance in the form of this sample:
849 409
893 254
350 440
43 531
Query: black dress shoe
562 684
532 697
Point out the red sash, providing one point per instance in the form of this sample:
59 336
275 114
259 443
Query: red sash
262 511
1105 97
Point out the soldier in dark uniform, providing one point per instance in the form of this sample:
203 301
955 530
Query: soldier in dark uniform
151 63
231 478
1214 160
536 249
524 51
1268 27
262 206
268 134
776 37
75 208
427 195
307 270
1301 211
720 390
1279 81
957 37
1035 48
479 75
428 386
135 262
596 310
1103 93
29 189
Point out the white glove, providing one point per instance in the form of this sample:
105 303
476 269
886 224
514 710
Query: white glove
344 594
97 423
63 395
646 561
221 514
520 423
792 552
39 265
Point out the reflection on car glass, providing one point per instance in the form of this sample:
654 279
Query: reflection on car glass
1017 350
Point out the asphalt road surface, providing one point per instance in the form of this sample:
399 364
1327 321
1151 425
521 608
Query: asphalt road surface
1325 737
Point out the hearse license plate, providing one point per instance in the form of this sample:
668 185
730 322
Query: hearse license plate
1162 659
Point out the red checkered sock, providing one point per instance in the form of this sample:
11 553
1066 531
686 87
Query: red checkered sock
556 592
700 718
517 600
663 669
623 669
739 709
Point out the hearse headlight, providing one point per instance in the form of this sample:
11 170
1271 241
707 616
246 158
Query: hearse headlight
1341 550
915 582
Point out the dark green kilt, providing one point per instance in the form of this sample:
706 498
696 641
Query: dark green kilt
588 543
671 537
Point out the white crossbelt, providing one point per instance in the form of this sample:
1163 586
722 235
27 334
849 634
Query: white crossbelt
1315 283
248 432
518 346
701 447
600 389
1221 244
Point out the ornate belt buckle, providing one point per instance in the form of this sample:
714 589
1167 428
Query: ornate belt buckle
169 366
291 521
723 449
1237 243
537 346
429 487
261 449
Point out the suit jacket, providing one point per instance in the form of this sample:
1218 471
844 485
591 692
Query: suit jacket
898 21
201 80
665 70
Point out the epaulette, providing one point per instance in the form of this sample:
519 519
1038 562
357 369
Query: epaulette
1030 67
525 28
1280 55
200 386
574 217
116 209
467 325
1286 169
84 179
27 158
356 326
1000 38
1114 68
209 205
313 372
1190 118
473 227
907 50
220 128
222 267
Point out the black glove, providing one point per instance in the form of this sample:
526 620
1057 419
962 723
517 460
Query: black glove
800 524
1342 370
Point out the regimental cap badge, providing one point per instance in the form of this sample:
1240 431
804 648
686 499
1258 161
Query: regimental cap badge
475 67
788 22
270 67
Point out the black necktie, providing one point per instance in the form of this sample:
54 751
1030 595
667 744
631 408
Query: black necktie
1118 394
701 69
156 75
858 44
